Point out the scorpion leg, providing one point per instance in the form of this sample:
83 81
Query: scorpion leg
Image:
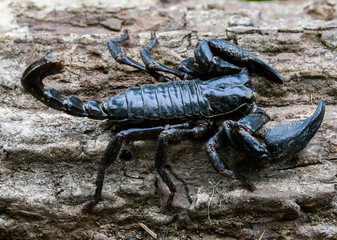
162 148
214 143
152 65
118 55
239 134
111 153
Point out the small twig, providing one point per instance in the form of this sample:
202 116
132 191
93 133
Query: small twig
148 230
262 234
210 200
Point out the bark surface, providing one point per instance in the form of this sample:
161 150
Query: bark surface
48 159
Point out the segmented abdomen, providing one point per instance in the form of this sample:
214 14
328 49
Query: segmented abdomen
172 100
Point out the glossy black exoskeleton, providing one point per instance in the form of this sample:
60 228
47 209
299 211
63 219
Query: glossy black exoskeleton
215 96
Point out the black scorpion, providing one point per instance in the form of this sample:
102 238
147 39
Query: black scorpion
214 96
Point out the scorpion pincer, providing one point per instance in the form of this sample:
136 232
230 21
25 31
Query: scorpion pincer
214 95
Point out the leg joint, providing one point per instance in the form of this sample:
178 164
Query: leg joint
122 135
166 135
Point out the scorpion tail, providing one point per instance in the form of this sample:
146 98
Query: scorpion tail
32 77
52 64
287 139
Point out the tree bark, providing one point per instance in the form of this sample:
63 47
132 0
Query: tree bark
49 159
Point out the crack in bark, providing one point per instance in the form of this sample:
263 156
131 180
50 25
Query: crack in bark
298 166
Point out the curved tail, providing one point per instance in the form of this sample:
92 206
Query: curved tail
52 64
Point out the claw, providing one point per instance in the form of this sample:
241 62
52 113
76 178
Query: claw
287 139
242 58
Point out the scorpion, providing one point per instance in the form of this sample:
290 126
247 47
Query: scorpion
214 96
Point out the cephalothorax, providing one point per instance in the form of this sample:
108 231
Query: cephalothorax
214 96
